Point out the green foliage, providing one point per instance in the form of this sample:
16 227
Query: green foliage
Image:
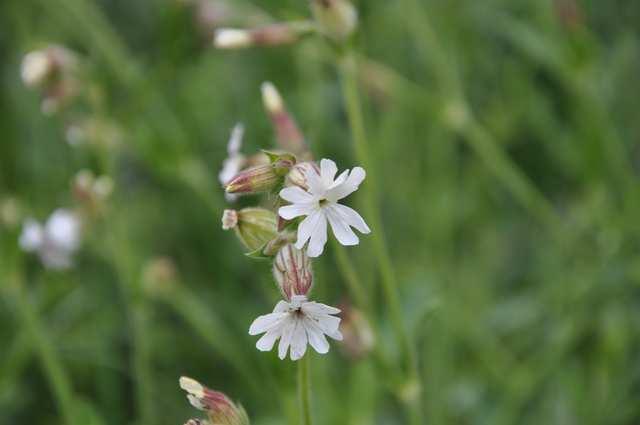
504 142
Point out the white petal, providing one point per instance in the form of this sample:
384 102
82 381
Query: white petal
307 227
63 230
328 324
268 339
341 179
281 307
298 341
313 308
316 336
328 170
285 339
350 185
32 236
230 168
352 218
290 212
318 237
295 195
266 322
340 227
235 141
316 186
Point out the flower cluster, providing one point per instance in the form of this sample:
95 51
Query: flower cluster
219 408
294 230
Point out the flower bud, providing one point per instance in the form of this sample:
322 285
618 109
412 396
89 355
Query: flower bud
336 19
270 35
358 335
220 409
159 276
292 271
254 226
262 178
288 135
298 174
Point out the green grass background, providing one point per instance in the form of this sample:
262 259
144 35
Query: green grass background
504 137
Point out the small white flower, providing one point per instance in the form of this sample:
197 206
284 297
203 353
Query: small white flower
234 162
319 203
296 324
56 241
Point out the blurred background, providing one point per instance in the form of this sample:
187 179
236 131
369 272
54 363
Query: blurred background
503 138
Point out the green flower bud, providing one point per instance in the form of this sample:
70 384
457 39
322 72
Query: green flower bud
255 227
262 178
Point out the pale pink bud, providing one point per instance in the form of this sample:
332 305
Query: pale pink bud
262 178
292 271
298 174
270 35
288 135
220 409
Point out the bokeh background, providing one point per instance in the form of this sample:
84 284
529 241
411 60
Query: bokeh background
504 139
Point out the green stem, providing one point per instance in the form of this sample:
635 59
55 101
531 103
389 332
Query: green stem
351 95
304 390
51 364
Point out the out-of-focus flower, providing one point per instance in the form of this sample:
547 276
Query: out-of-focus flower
235 161
93 131
219 408
52 71
359 338
262 178
292 271
336 19
320 205
269 35
159 275
569 12
288 135
56 241
10 213
297 323
90 190
255 227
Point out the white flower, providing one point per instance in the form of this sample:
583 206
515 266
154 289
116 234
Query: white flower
319 203
234 162
56 241
297 323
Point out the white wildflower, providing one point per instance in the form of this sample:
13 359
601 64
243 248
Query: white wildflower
56 241
297 323
319 203
234 162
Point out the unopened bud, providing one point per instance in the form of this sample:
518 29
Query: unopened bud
298 174
336 19
283 238
255 227
36 68
195 421
159 276
90 190
219 408
288 134
270 35
292 271
262 178
358 335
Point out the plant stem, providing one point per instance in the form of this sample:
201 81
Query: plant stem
348 69
52 367
304 390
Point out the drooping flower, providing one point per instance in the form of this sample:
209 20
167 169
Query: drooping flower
220 409
319 203
297 323
56 241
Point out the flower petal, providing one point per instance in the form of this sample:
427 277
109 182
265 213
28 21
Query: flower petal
32 236
341 179
328 170
313 308
268 340
290 212
295 195
307 227
63 229
287 335
265 323
352 218
350 185
316 186
318 237
316 336
298 341
340 227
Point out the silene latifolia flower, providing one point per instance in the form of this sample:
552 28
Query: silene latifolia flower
219 408
296 321
56 241
255 227
319 203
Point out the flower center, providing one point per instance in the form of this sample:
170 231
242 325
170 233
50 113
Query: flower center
323 202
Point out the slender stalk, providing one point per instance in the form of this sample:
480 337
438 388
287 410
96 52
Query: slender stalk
304 390
351 95
51 364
